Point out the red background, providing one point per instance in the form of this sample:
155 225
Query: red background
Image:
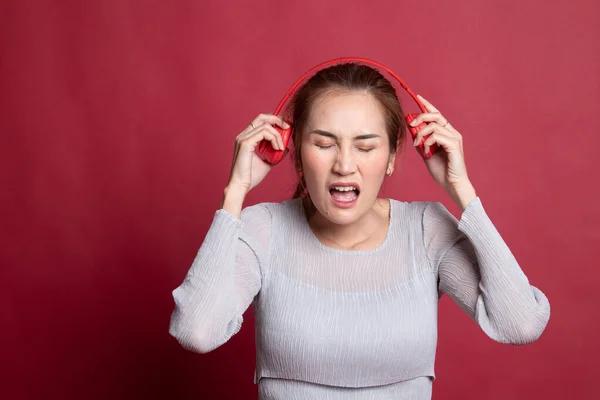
116 133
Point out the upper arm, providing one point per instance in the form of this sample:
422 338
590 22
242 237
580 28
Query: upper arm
223 279
477 269
253 252
451 256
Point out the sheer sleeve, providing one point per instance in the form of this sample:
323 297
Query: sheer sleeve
478 271
223 279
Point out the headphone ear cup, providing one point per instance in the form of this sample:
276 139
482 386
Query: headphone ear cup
267 153
262 146
413 131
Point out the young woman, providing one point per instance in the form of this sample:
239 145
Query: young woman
345 285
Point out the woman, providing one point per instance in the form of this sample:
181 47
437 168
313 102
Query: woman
345 285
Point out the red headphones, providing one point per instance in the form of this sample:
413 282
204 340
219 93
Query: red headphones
267 153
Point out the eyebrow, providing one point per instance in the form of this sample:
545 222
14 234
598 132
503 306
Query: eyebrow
331 135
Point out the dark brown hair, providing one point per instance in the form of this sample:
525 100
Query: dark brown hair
347 77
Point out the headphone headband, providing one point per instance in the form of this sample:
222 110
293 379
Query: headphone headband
348 59
272 156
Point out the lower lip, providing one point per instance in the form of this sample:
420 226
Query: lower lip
344 204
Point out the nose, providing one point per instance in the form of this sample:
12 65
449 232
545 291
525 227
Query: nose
345 164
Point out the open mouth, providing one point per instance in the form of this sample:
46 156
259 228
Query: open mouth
344 194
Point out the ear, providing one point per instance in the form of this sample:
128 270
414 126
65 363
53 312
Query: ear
391 161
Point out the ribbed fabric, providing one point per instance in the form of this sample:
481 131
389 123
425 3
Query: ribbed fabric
335 324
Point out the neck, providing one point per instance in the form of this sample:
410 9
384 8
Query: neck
348 236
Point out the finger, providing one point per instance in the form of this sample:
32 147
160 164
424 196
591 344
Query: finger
270 119
272 130
429 117
277 135
263 125
432 110
428 130
448 143
262 119
427 104
254 136
267 132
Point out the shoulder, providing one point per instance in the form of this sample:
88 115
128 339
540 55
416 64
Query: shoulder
268 211
424 211
431 218
260 211
261 222
435 226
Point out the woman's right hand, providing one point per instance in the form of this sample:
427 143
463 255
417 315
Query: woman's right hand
247 169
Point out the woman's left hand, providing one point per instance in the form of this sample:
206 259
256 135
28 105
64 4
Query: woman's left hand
447 165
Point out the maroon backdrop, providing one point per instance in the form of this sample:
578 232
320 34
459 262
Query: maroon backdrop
117 123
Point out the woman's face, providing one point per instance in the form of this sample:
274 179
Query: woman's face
345 154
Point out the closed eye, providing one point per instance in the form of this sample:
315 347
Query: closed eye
361 149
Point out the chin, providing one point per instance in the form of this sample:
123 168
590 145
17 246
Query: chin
341 212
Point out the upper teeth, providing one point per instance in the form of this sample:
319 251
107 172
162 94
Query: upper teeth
344 188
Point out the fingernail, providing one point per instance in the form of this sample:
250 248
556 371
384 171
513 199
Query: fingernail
286 125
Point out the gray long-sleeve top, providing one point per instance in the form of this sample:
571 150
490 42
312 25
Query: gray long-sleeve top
336 324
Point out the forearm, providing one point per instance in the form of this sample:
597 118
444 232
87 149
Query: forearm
497 265
514 308
462 194
233 200
205 302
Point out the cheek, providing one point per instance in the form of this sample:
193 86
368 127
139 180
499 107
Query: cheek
316 165
315 161
375 166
